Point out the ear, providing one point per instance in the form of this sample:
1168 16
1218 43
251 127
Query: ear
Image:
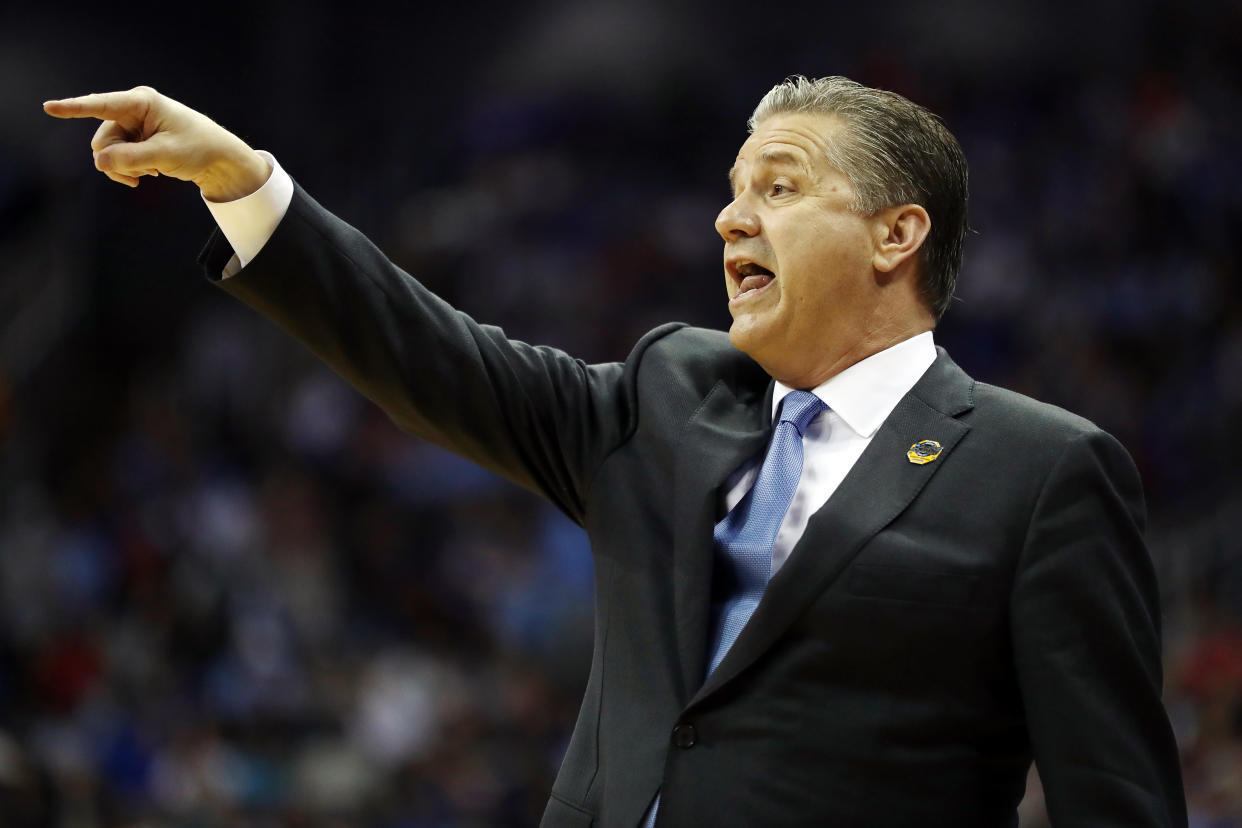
899 233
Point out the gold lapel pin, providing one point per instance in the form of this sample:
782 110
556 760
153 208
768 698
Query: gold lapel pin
924 451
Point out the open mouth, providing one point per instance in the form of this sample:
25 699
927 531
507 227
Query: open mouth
751 278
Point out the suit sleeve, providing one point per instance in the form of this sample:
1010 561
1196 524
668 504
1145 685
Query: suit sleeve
532 414
1086 630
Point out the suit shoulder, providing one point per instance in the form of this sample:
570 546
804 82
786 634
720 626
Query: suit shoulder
1037 438
679 364
700 351
1020 416
684 342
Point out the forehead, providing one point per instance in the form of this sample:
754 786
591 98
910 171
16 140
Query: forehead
798 138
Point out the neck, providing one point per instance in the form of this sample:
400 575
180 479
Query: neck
808 376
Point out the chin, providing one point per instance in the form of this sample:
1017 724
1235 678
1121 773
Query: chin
746 338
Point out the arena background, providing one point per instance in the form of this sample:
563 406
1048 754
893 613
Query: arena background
231 594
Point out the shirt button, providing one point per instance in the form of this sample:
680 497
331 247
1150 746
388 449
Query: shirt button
684 736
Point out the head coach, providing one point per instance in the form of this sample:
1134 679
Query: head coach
839 582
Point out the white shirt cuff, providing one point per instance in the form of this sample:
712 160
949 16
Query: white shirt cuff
248 222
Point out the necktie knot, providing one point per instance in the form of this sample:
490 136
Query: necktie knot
801 407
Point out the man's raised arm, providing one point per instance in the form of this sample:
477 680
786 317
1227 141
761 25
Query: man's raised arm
146 133
535 415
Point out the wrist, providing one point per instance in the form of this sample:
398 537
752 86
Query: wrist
235 175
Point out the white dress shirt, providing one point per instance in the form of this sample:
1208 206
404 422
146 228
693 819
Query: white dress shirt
249 222
858 399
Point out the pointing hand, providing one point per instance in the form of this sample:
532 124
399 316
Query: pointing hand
146 133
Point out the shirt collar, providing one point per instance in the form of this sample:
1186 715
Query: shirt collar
864 394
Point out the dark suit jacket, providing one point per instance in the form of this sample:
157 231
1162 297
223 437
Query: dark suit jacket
935 628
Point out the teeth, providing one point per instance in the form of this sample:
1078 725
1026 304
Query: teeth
751 269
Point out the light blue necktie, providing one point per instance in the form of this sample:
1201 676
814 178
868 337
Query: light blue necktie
745 536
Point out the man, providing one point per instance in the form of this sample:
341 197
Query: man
838 581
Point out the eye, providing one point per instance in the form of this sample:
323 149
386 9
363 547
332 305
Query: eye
779 189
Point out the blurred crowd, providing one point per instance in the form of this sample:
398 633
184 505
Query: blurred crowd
233 594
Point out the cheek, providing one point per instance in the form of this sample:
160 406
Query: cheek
831 275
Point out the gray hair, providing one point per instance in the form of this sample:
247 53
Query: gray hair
894 152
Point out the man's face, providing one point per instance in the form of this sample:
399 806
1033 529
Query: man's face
798 261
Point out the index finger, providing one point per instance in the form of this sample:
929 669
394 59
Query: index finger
108 106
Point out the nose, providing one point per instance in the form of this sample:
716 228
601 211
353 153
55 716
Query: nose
737 221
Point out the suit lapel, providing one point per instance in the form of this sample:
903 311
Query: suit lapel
730 426
880 486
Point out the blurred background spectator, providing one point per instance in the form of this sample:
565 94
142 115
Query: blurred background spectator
231 593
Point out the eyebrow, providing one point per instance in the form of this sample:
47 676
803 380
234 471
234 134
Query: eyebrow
771 156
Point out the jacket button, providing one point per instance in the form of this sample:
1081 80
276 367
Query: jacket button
684 736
